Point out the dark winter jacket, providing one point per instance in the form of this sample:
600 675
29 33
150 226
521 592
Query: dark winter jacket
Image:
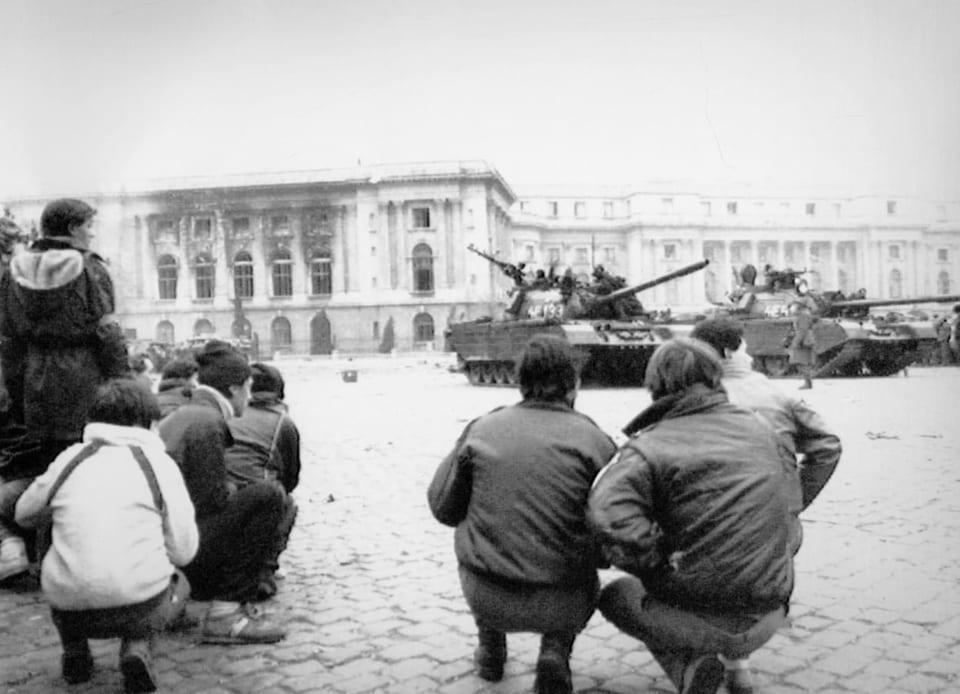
701 504
266 444
196 436
172 393
515 486
58 342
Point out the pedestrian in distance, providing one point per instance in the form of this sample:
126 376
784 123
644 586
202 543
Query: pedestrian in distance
803 340
816 446
515 488
266 448
177 381
954 341
58 343
237 525
699 509
121 525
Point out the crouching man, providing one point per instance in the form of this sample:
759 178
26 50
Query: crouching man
515 487
700 508
121 522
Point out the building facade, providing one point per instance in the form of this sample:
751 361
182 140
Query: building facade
376 258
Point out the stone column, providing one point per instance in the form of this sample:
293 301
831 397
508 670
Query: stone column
393 245
341 230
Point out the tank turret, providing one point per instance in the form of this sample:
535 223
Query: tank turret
603 322
849 342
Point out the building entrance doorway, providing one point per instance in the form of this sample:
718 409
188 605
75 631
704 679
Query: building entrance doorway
321 337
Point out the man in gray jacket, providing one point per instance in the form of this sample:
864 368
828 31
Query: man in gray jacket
515 487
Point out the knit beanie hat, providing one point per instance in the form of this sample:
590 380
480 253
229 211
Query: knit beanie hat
266 379
221 366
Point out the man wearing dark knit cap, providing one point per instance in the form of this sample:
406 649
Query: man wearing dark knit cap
237 526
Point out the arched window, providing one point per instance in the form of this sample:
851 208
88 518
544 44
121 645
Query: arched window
243 275
204 272
281 337
202 327
165 332
896 282
167 276
423 327
321 273
422 268
842 281
943 282
282 274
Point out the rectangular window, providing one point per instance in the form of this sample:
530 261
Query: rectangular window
376 330
736 253
669 251
666 204
810 208
607 210
891 206
731 208
626 207
580 209
705 209
421 218
280 224
553 208
529 249
373 251
610 255
201 228
894 252
583 256
205 281
470 218
241 225
554 256
524 206
942 255
373 282
836 209
321 276
283 279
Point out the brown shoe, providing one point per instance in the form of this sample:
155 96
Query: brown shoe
245 624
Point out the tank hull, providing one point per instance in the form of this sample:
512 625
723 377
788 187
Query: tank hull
844 347
612 353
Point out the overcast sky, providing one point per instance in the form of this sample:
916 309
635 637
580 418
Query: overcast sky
861 94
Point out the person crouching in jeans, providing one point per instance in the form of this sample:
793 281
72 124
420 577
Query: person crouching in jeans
122 521
515 487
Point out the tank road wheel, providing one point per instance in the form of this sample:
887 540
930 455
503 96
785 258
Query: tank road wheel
502 375
888 366
473 374
774 365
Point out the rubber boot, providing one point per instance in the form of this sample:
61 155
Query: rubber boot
491 654
553 664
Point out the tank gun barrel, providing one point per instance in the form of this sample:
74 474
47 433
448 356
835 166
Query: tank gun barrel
871 303
649 284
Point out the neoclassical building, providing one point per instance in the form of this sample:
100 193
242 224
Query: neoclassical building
361 259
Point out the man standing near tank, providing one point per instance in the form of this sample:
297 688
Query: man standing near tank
803 341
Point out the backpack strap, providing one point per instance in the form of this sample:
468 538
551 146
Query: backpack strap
68 469
138 454
151 478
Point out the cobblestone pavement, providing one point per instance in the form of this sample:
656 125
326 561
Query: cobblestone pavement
372 602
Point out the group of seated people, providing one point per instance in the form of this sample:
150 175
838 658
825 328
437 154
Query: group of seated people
181 494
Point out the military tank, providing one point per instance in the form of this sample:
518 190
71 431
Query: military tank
850 341
607 328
